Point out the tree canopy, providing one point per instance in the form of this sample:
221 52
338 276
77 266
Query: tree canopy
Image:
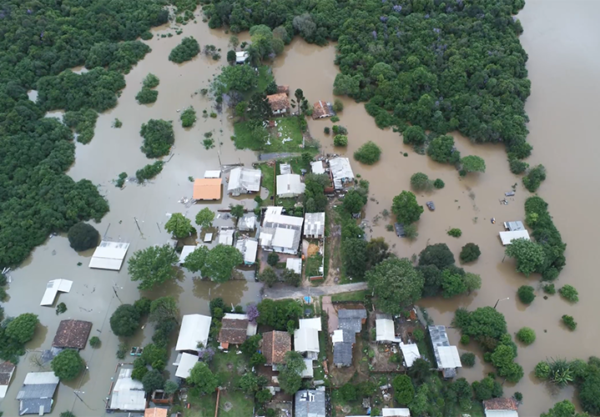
220 262
290 376
67 365
240 78
485 321
438 254
529 255
205 217
125 320
368 154
179 226
354 201
152 266
203 379
472 163
158 137
83 236
406 208
185 51
195 261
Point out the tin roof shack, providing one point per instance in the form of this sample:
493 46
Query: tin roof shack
7 370
279 103
317 167
241 57
53 288
349 323
35 396
508 237
514 226
235 329
310 403
109 255
193 331
341 172
212 174
410 353
126 394
385 330
289 185
226 236
248 247
72 334
322 109
500 407
275 345
294 264
280 233
207 189
244 180
314 225
446 356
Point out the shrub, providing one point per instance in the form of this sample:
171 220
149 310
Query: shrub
418 335
338 105
326 130
526 335
420 182
570 322
185 51
158 137
151 81
468 359
231 57
542 370
142 306
340 140
368 154
534 178
348 392
63 414
570 293
95 342
188 117
83 236
517 166
273 259
439 184
518 396
410 231
465 339
60 308
526 294
414 135
335 119
404 392
146 96
549 289
149 171
455 232
117 123
469 253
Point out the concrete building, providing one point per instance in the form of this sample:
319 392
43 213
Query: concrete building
193 331
280 233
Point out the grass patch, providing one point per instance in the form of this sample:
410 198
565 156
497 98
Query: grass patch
265 77
243 406
358 296
247 137
313 263
201 406
268 178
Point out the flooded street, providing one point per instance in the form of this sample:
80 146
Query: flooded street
560 38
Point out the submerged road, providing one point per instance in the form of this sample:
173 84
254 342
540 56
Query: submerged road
287 292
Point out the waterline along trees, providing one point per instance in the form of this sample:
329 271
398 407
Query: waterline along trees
406 208
152 266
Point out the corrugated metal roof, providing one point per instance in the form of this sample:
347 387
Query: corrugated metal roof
289 185
109 255
410 353
52 288
212 174
342 354
248 248
186 363
127 394
395 412
310 403
508 237
306 340
33 378
194 329
448 357
243 179
295 264
341 171
314 224
313 323
501 413
226 236
285 169
385 331
308 371
317 167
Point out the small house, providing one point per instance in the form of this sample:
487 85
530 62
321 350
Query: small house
206 189
244 180
322 109
385 330
36 394
72 334
350 322
395 412
185 251
317 167
226 236
341 171
156 412
285 169
241 57
306 338
314 225
247 222
184 363
289 185
193 332
126 394
275 345
248 247
294 264
310 403
279 103
109 255
446 356
508 237
53 288
410 353
7 370
235 329
500 407
514 226
280 233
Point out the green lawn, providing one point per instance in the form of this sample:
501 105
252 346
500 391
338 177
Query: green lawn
268 178
313 263
256 139
204 406
358 296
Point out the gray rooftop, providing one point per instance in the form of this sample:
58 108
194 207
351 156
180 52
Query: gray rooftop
36 391
350 325
342 354
310 403
247 222
439 337
352 314
34 406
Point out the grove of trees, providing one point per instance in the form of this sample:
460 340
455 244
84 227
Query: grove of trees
158 137
185 51
152 266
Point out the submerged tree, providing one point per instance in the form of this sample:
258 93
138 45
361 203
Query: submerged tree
152 266
179 226
83 236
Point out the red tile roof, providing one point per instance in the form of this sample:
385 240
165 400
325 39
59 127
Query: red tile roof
275 345
278 101
72 334
233 331
500 404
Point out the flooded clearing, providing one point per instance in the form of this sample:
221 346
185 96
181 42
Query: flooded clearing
559 38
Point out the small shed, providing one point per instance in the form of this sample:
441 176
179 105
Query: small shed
184 363
306 340
212 174
126 394
185 251
241 57
247 222
295 264
385 331
248 247
508 237
285 169
7 370
53 288
226 236
207 189
279 103
109 255
36 394
308 371
289 185
193 331
72 334
410 353
314 225
514 226
322 109
500 407
275 345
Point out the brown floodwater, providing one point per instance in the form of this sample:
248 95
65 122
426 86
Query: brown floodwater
559 38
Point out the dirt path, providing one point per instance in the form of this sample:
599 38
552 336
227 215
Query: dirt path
281 292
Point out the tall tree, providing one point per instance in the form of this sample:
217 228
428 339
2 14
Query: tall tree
530 256
179 226
438 254
203 379
196 260
152 266
406 208
473 163
290 376
220 262
205 217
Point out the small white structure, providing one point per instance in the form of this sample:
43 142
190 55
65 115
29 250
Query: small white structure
52 288
126 394
446 356
385 331
109 255
247 222
280 233
187 249
244 181
295 264
7 370
241 57
285 169
226 236
289 185
508 237
193 331
212 174
514 226
314 323
410 353
341 172
248 248
395 412
449 357
306 340
314 225
184 363
308 371
208 237
317 167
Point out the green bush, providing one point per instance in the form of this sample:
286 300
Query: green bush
516 166
420 182
146 96
335 119
534 178
83 236
95 342
518 396
340 140
185 51
438 183
404 392
455 232
526 294
273 259
368 154
468 359
569 293
151 81
526 335
469 253
569 321
414 135
338 106
67 365
549 289
158 137
542 370
149 171
465 339
188 117
418 335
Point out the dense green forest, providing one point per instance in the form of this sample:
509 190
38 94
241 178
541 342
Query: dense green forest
442 65
38 41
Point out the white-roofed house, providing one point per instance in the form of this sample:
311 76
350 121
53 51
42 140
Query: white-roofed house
185 251
385 330
7 370
317 167
314 225
244 180
241 57
248 247
500 407
226 236
212 174
280 233
295 264
446 356
109 255
289 185
126 394
306 341
410 353
53 288
184 363
285 169
193 332
508 237
341 172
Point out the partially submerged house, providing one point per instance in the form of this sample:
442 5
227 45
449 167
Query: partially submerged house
126 394
72 334
289 185
36 394
275 344
184 363
514 226
109 255
193 332
280 233
185 251
241 57
349 323
341 172
279 103
7 370
385 329
508 237
248 247
226 236
294 264
53 288
244 180
207 189
446 356
500 407
314 225
235 329
310 403
322 109
317 167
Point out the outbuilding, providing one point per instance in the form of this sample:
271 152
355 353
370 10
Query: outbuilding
207 189
109 255
193 332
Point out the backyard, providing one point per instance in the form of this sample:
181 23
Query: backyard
285 136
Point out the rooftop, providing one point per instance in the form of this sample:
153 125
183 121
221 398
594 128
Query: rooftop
278 101
385 331
446 356
72 334
314 224
283 89
187 249
248 248
52 288
515 225
285 168
395 412
500 404
295 264
508 237
410 353
322 109
185 363
207 189
109 255
247 222
314 323
242 179
126 394
194 329
275 345
317 167
289 184
226 236
233 331
342 354
341 171
35 396
212 174
310 403
156 412
306 340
